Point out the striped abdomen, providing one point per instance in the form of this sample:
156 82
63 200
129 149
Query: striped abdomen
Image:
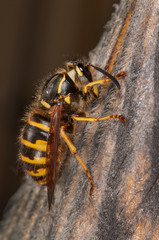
34 146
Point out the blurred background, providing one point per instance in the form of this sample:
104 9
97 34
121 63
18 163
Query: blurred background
36 37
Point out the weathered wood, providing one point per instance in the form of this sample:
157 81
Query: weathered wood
123 160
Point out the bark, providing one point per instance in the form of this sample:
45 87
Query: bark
123 159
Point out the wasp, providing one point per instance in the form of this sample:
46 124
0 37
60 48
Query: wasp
62 100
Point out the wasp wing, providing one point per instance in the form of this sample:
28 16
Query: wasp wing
52 151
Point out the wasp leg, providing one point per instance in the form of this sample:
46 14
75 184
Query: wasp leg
103 81
74 151
121 74
93 119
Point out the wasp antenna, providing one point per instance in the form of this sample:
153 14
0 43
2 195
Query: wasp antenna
108 75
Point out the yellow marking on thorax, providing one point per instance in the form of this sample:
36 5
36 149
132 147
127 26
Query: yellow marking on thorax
67 99
39 125
40 145
40 160
39 172
79 72
60 84
45 104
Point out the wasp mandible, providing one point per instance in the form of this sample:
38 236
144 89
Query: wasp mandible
61 101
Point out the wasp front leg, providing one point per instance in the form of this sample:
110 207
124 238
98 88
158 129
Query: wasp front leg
105 80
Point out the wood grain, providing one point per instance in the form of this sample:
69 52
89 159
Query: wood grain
123 159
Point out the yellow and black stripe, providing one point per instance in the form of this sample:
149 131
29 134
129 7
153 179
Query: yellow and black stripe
34 146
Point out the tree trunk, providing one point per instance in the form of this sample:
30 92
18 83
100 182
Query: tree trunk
123 159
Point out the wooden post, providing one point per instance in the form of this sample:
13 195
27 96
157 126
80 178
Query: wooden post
123 159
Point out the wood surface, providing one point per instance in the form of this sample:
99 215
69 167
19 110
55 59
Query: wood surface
123 159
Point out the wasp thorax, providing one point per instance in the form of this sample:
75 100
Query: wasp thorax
59 85
50 91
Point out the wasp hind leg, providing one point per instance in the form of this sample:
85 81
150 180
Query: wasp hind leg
74 151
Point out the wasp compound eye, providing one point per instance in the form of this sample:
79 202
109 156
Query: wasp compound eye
84 69
87 74
81 67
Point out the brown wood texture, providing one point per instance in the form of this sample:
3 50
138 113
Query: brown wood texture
123 159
